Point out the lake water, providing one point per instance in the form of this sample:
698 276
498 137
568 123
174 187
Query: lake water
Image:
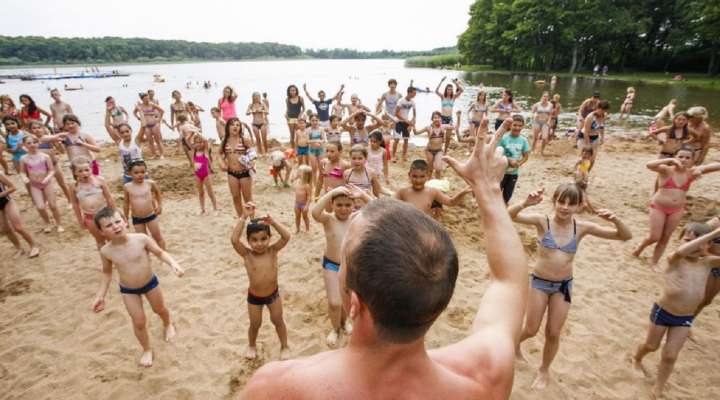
367 78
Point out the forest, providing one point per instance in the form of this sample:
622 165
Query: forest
23 50
572 35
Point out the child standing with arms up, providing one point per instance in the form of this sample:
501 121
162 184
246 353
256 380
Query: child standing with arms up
672 315
142 197
202 161
129 253
261 264
40 171
303 195
10 219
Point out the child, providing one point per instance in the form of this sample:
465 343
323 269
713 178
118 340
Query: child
128 148
552 279
675 135
279 161
128 252
150 116
404 123
76 143
582 174
478 110
302 140
424 198
202 158
219 122
627 105
358 131
516 148
332 170
303 195
14 140
316 137
377 160
261 264
359 175
333 133
38 168
257 109
335 225
114 115
10 220
436 138
38 130
684 289
90 195
186 130
142 197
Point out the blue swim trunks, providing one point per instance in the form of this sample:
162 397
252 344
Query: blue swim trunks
143 220
148 287
715 272
303 151
317 152
660 317
330 265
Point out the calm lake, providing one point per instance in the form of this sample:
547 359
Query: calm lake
366 78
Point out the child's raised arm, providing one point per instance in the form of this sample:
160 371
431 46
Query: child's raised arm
308 93
282 230
619 232
164 256
533 198
446 200
105 279
110 128
458 88
692 246
708 168
238 231
318 211
89 143
662 164
437 89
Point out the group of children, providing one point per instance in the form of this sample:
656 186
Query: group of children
339 187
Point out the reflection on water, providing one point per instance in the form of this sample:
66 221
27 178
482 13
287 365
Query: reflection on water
366 78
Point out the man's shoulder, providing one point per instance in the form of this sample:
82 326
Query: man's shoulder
292 379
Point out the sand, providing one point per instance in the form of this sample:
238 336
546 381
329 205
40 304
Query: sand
53 346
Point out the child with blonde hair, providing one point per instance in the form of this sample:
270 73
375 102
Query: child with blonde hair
303 194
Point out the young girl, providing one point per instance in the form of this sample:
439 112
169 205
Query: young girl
31 112
177 107
359 175
194 111
582 175
89 195
186 131
302 140
333 133
627 105
295 108
303 195
14 140
358 131
504 107
433 151
559 236
478 110
377 159
150 115
38 168
114 116
10 220
675 176
202 158
76 143
675 135
259 112
541 116
332 169
219 122
236 157
316 138
594 129
226 104
447 103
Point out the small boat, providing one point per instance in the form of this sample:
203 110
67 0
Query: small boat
157 78
540 82
68 87
80 75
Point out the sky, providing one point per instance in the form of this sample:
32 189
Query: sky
361 25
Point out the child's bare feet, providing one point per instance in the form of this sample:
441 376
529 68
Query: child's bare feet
18 253
251 353
332 338
147 358
656 268
284 354
520 356
638 365
34 252
60 229
348 327
48 229
636 252
170 333
201 212
541 380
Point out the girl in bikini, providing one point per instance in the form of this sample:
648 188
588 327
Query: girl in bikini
433 151
226 104
504 107
89 195
203 160
295 108
592 134
447 104
38 168
303 195
76 143
37 129
150 114
360 176
478 110
540 126
559 235
31 112
358 131
333 133
194 111
10 220
675 135
259 114
316 141
627 105
237 157
332 170
675 175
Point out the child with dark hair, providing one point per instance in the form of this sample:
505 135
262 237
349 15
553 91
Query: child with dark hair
130 254
377 160
436 137
422 197
142 198
516 149
261 264
219 122
76 143
672 315
404 123
14 140
559 236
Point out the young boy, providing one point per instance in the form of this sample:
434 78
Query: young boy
142 197
404 122
280 163
335 225
685 279
261 264
219 122
390 98
516 149
422 197
59 109
129 253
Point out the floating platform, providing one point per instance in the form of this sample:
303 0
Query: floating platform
80 75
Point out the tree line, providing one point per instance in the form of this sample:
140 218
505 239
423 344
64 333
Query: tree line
33 50
649 35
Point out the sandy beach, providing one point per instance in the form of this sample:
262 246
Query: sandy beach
53 346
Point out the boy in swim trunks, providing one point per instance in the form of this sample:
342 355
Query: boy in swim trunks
261 264
422 197
219 122
685 280
59 109
142 197
129 252
335 225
